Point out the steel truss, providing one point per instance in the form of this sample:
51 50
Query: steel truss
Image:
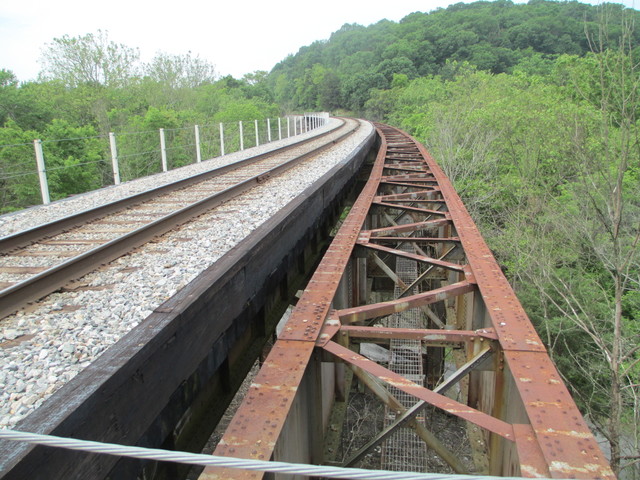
485 367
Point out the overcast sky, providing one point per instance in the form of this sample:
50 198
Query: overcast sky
237 36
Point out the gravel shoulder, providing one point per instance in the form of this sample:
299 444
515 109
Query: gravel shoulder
42 349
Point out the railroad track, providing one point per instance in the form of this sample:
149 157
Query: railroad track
41 260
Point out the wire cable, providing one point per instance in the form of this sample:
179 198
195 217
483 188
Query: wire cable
229 462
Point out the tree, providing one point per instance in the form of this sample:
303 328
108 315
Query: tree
74 159
580 251
550 169
606 212
89 59
21 103
180 71
18 175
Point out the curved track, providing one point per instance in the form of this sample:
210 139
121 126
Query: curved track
43 259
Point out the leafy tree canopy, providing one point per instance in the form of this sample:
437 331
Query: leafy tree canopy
494 36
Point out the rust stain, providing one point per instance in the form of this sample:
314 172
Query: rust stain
557 443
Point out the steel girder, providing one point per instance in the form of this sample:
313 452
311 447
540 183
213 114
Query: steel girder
524 419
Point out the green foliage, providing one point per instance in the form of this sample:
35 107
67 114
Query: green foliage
89 59
547 161
177 92
18 175
24 104
499 37
74 159
180 71
538 134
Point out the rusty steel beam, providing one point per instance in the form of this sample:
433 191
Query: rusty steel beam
407 416
407 184
528 423
283 367
492 424
409 208
560 430
356 314
418 258
430 335
420 278
411 196
410 227
415 239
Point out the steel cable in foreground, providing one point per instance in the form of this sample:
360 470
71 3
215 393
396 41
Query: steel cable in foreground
226 462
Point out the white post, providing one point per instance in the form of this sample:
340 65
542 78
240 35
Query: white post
221 140
114 158
163 150
198 154
279 129
288 127
42 172
268 130
295 126
241 136
257 135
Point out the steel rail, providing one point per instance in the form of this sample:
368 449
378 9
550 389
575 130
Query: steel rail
48 281
20 239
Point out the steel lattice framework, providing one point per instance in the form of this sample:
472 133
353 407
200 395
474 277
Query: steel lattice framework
485 368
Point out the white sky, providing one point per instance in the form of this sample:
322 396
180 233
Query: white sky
237 36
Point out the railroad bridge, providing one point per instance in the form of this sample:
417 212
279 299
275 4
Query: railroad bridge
400 346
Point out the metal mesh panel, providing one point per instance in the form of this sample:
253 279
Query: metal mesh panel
404 450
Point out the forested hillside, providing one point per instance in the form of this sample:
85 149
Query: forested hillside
532 111
492 36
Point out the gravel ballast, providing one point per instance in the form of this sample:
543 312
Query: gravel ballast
42 349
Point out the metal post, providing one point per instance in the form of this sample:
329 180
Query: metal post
114 158
241 136
198 154
268 130
163 150
221 140
288 127
279 129
42 172
295 126
257 135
